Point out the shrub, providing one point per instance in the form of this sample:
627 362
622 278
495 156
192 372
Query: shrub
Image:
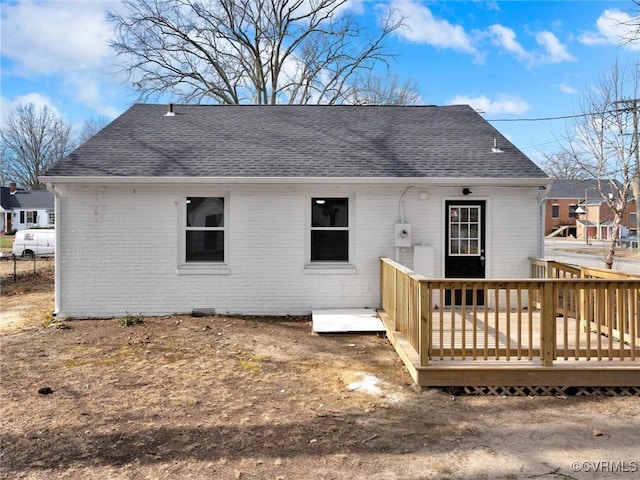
128 320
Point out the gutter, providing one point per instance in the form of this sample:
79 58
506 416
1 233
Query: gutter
56 258
417 181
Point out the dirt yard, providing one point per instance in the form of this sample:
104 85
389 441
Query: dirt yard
255 398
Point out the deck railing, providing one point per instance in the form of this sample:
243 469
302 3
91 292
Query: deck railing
566 313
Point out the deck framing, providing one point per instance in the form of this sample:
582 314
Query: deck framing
449 373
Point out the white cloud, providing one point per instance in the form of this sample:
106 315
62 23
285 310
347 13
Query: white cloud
612 28
568 89
423 27
555 52
64 41
506 38
38 99
551 51
49 38
501 105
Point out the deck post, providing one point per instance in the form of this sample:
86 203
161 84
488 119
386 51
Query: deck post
547 323
424 323
388 290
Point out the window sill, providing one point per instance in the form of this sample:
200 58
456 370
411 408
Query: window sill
329 269
205 269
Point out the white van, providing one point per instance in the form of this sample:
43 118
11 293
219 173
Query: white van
34 242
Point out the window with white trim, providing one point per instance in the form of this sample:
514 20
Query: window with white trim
329 229
28 216
205 230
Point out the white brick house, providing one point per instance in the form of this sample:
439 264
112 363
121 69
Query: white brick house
284 209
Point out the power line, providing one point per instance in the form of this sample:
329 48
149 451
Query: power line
541 119
565 117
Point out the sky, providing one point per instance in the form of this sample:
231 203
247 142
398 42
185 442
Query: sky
516 62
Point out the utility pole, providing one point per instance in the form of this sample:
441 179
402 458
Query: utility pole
636 176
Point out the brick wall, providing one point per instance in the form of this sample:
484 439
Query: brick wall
119 249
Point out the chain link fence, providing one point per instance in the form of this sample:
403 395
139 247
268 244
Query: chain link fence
13 267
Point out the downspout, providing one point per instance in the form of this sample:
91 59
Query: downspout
57 261
543 191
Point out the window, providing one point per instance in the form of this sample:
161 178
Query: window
329 229
31 216
555 210
204 233
52 218
464 230
572 211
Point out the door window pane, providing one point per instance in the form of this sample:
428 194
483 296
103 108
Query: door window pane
464 230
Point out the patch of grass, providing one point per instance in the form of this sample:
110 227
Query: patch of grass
49 321
443 469
253 364
6 243
90 355
129 320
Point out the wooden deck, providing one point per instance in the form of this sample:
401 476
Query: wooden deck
542 332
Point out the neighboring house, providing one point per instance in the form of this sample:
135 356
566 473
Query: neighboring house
567 196
21 209
283 209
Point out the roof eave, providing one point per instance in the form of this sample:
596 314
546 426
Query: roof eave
441 181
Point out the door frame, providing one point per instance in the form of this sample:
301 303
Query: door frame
486 234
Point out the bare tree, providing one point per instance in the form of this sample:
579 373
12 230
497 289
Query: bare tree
605 141
563 166
32 141
247 51
633 35
377 90
92 126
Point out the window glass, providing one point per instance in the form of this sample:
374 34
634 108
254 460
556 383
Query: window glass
204 236
329 246
205 212
330 212
555 211
205 246
329 229
464 230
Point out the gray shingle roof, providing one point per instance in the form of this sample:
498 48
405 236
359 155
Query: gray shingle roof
250 141
26 199
575 189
